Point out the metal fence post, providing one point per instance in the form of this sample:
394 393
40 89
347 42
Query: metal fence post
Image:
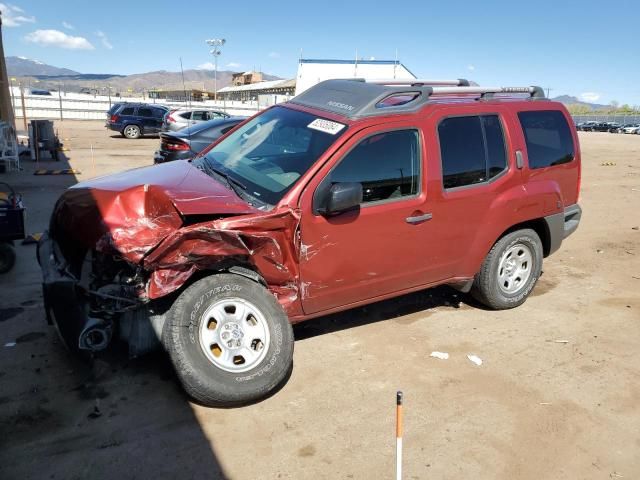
60 100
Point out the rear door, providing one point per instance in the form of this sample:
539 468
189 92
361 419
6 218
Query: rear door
198 116
151 118
470 168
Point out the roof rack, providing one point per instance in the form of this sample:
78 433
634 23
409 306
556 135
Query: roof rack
357 97
417 82
488 92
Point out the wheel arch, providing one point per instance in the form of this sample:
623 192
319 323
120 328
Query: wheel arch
538 225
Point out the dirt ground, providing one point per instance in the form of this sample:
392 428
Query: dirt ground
556 397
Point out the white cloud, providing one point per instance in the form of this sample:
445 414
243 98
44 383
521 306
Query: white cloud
105 41
13 16
68 26
233 65
471 68
590 96
274 55
206 66
56 38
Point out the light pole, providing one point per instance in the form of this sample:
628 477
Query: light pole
216 45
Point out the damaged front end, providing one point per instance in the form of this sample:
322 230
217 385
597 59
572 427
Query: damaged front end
118 248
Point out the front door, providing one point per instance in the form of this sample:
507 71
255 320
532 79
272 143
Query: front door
379 248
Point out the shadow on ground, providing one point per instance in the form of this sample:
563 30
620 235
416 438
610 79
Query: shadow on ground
63 418
411 307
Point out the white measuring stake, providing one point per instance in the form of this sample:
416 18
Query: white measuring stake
399 435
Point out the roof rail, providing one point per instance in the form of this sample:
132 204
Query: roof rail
418 82
488 92
357 97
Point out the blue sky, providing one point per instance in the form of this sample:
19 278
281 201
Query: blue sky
589 49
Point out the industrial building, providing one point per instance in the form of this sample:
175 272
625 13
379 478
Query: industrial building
251 92
310 72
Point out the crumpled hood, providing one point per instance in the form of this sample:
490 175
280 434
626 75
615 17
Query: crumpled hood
133 211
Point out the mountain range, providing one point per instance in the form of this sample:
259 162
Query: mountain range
52 78
43 76
569 100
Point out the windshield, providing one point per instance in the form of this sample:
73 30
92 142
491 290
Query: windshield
268 154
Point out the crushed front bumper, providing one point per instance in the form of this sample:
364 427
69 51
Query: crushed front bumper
67 308
59 290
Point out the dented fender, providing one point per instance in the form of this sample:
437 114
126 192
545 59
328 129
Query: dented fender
264 241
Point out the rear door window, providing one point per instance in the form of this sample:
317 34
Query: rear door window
549 140
199 115
472 149
127 111
158 112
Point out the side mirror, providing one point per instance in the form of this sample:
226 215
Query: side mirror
341 198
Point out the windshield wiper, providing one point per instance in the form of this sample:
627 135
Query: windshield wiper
230 181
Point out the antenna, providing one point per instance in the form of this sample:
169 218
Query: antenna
395 64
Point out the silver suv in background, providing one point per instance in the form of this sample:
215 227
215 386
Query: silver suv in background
183 117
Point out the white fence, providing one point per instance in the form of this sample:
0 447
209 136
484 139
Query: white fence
77 106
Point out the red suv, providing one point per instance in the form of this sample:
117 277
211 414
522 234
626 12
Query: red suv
350 193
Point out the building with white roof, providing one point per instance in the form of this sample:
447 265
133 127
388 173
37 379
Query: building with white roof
313 71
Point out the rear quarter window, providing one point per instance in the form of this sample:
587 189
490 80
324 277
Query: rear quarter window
548 138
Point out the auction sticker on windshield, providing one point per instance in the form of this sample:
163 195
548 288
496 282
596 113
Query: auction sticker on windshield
326 126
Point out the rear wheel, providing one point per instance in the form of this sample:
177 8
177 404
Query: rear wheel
131 131
7 257
229 340
510 270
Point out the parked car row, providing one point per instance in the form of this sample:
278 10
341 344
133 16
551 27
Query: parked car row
611 127
190 141
133 120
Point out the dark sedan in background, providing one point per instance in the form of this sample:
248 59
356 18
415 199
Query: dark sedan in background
188 142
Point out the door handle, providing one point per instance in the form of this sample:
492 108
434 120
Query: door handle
419 218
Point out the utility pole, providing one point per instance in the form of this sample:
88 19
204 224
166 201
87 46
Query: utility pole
216 45
6 112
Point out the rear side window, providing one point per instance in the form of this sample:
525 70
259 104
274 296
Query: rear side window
387 165
548 138
144 112
472 149
199 116
227 129
185 115
158 112
127 111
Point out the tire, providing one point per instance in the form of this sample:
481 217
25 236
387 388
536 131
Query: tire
510 270
7 257
201 319
131 131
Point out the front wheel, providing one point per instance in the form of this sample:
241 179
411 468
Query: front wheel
229 340
510 270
